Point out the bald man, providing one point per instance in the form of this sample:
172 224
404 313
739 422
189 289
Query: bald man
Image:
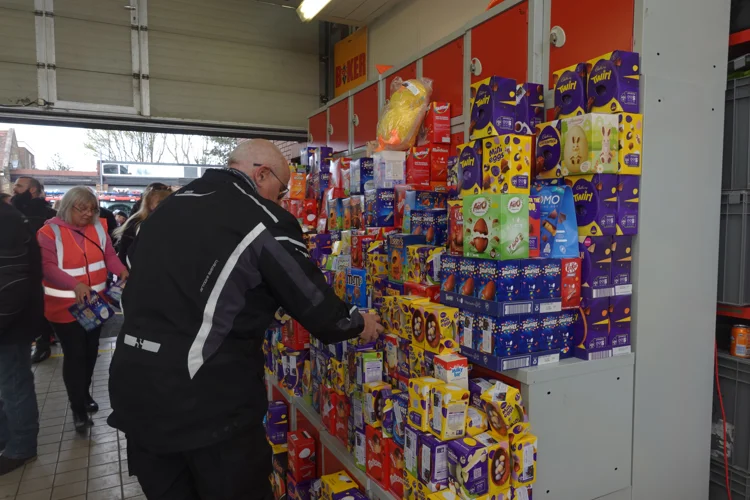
210 269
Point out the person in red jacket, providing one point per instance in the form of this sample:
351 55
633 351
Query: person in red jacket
76 255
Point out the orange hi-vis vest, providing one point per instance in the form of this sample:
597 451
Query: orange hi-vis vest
84 264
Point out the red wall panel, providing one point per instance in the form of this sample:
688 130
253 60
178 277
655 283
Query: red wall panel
338 117
501 44
456 139
581 20
446 67
406 73
366 108
316 129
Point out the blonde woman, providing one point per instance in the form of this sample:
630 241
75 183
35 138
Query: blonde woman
77 254
124 235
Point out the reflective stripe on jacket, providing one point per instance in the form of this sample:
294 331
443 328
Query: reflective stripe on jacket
85 264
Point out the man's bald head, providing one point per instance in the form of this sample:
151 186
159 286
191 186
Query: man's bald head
255 158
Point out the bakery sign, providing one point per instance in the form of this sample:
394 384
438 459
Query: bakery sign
350 60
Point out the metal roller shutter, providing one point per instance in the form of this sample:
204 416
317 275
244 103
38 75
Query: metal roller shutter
18 72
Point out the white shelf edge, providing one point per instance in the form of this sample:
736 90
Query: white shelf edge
571 367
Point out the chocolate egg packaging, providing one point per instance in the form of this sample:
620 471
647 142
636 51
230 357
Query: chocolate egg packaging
470 168
613 83
493 107
590 144
506 164
482 226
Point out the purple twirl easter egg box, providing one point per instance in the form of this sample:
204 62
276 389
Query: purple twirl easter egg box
596 266
493 103
470 168
622 258
591 327
619 320
613 85
570 91
628 199
595 199
529 107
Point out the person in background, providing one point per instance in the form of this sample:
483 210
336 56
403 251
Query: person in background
76 255
125 234
21 315
120 217
211 268
5 198
29 200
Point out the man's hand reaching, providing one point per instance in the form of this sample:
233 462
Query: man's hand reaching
372 329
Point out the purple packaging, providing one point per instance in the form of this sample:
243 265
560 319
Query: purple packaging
529 107
428 364
493 106
476 387
361 175
485 330
449 267
591 326
422 200
506 341
548 334
433 463
467 466
564 331
400 409
570 91
470 166
353 494
412 450
614 83
335 236
294 366
467 272
550 279
379 207
379 285
93 313
319 246
548 151
534 224
277 422
298 491
622 257
619 320
435 226
466 328
487 280
531 279
596 265
628 199
595 198
508 280
403 354
527 335
455 178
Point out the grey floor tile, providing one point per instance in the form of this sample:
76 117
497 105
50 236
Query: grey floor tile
53 429
80 452
109 494
68 490
127 478
47 448
74 443
45 414
36 484
75 464
49 422
70 477
37 495
102 428
104 458
104 482
81 436
49 438
104 470
8 490
12 477
47 458
96 449
132 490
104 438
38 471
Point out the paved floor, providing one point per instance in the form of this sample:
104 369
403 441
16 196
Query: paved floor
93 466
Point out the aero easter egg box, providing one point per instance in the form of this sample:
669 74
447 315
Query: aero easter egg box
482 226
548 152
613 84
590 144
570 91
514 226
507 164
470 168
595 198
631 143
493 107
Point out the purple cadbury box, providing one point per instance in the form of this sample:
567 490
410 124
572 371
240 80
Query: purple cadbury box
622 257
619 319
277 422
529 107
591 329
470 168
493 107
549 147
614 83
596 265
433 470
570 92
596 203
467 462
628 199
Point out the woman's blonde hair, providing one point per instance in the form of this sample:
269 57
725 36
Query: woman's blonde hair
78 195
150 195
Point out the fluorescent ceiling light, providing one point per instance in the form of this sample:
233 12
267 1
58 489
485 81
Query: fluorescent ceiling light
311 8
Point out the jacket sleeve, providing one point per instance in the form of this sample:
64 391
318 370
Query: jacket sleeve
300 287
15 271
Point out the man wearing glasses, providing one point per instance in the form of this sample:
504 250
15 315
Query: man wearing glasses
210 269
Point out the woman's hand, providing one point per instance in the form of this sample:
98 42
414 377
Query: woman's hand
83 292
124 275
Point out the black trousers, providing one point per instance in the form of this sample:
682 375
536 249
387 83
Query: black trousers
80 349
236 469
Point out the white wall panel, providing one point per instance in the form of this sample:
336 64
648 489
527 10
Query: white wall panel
17 81
17 52
414 25
92 46
101 11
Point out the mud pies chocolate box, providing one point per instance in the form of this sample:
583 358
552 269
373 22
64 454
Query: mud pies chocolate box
591 327
595 198
418 166
631 143
529 107
439 154
507 164
514 227
548 152
590 144
570 91
436 128
493 107
596 266
470 168
628 200
613 84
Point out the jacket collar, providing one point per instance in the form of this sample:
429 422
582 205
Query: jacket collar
241 176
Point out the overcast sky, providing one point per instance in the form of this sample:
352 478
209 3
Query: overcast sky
45 141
